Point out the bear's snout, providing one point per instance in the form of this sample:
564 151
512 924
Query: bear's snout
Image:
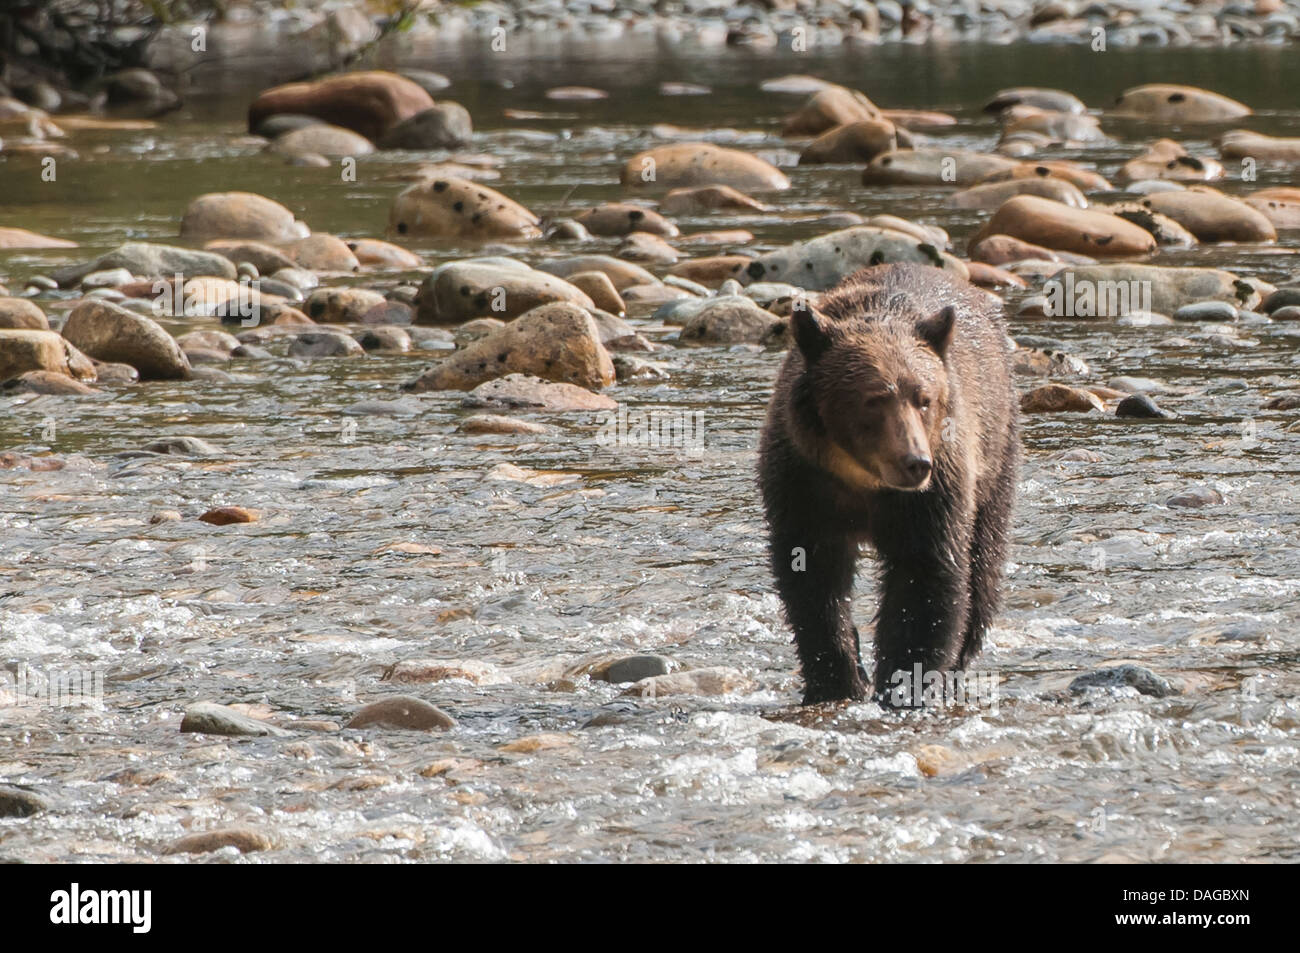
917 467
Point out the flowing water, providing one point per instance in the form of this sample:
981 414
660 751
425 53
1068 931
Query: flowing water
595 549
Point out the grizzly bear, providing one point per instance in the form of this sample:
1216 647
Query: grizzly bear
893 421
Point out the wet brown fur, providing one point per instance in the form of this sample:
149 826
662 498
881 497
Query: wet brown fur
881 378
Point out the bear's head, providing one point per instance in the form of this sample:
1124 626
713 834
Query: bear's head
880 390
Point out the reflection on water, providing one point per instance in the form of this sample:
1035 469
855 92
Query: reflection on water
389 536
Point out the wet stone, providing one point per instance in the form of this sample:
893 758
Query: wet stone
210 718
1124 676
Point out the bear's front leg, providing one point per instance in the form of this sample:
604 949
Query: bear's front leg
814 576
924 595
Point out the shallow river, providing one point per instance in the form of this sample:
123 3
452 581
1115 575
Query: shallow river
633 549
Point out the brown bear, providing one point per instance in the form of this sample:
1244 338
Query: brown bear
894 421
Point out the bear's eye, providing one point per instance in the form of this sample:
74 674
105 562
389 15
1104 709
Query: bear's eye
923 403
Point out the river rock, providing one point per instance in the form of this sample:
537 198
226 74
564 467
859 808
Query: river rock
938 167
47 382
730 319
321 253
1004 249
444 126
1140 406
1085 180
556 342
402 712
152 261
322 139
717 680
1054 100
622 218
1161 102
820 263
1271 150
266 259
1059 398
16 802
458 208
1169 287
1212 216
372 253
210 718
1281 205
827 108
1124 676
384 338
1167 232
1166 159
110 333
27 349
369 103
522 392
497 424
21 313
239 215
992 195
22 238
1055 225
459 291
1195 498
707 198
325 344
853 142
701 163
341 305
246 840
621 274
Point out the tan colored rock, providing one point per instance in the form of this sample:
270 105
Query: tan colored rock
1281 205
1168 288
457 208
1059 398
321 252
1271 150
47 382
229 515
1054 225
497 424
940 167
1086 180
460 291
29 349
523 392
108 333
701 163
711 271
556 342
22 238
22 313
239 215
246 840
622 218
1166 159
623 274
597 286
340 305
854 142
707 198
827 108
372 253
333 142
1163 102
1212 216
369 103
1004 249
265 258
991 195
718 680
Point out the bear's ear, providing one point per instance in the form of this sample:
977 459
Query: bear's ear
812 330
937 330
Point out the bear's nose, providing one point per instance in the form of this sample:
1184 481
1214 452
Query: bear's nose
917 467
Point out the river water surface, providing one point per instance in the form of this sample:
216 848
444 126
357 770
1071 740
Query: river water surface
626 549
